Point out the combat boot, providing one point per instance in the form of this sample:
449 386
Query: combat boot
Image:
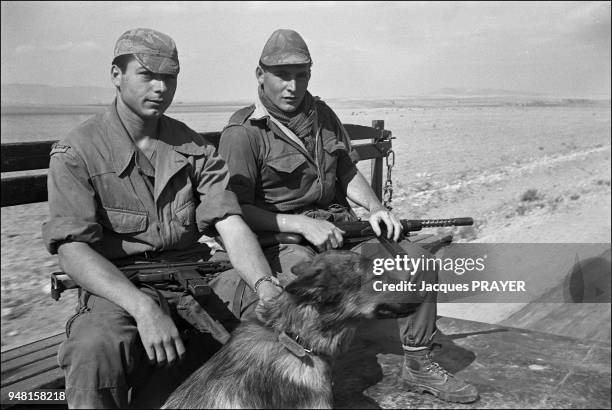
421 374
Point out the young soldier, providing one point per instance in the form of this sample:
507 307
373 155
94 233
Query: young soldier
292 168
132 183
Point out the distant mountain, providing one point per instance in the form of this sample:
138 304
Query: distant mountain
481 92
38 94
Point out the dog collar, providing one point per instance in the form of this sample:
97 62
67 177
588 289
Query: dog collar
293 344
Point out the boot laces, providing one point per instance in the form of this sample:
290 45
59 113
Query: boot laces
433 366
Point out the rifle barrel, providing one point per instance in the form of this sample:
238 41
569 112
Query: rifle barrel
418 224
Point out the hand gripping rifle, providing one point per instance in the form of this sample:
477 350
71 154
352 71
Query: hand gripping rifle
359 231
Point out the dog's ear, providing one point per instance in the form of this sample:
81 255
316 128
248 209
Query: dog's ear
317 283
306 280
310 283
302 268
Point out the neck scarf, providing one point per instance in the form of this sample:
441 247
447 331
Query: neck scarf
300 121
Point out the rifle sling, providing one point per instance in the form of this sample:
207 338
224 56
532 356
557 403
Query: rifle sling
238 294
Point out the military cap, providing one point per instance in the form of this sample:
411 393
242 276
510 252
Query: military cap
154 50
285 47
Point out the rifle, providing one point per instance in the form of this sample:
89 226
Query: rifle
191 277
359 231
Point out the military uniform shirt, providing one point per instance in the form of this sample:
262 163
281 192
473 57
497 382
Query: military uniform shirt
98 193
271 169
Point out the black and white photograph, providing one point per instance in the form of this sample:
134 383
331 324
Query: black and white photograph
306 204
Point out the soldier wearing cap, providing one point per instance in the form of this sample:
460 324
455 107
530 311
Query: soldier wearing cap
132 184
292 168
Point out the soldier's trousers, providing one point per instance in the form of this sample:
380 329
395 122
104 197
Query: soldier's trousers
103 358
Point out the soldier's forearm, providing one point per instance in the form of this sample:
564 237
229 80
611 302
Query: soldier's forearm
243 249
359 191
261 220
98 275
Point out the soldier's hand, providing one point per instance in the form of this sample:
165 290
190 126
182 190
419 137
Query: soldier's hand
322 234
159 335
267 291
394 227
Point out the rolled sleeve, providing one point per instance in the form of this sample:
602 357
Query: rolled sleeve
72 206
346 168
347 160
351 152
240 154
216 201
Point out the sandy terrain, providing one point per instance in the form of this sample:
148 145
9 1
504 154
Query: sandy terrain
525 174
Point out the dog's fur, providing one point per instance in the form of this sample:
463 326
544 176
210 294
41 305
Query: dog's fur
322 307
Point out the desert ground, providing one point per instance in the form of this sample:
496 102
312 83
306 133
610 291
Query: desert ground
536 173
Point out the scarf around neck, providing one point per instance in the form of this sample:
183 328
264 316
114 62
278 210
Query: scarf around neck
300 121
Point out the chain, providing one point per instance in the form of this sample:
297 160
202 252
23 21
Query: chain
388 189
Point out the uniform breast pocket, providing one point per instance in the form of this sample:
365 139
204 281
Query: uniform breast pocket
287 163
117 194
124 220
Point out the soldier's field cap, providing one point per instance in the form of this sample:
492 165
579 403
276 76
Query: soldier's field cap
154 50
285 47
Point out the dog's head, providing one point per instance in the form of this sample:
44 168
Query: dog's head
341 283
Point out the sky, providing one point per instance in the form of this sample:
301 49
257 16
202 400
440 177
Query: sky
359 49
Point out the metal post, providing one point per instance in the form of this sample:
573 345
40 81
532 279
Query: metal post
377 165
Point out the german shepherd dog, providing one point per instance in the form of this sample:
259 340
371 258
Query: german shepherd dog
285 360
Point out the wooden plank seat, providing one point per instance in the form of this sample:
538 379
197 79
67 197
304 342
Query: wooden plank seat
34 365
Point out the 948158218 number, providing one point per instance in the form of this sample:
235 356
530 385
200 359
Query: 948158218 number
34 396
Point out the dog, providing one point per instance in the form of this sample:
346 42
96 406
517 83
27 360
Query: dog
284 359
